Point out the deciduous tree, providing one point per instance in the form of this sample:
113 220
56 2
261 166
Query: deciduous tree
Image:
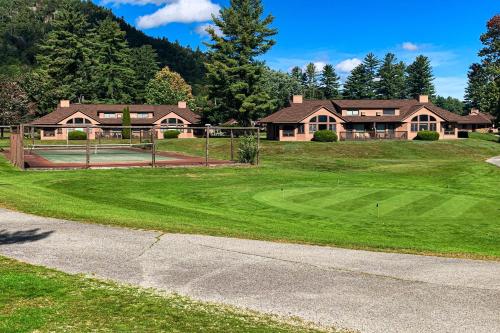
168 88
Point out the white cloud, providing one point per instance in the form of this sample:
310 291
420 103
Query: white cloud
408 46
181 11
135 2
318 64
202 29
348 65
453 86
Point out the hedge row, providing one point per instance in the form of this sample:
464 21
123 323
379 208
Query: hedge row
325 136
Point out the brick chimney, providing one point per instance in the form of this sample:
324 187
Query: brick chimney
297 99
182 105
65 103
423 99
474 111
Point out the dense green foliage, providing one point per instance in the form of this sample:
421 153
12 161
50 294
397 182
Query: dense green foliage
126 122
325 136
427 136
171 134
168 88
77 135
483 89
420 77
391 74
71 49
435 196
330 83
451 104
248 149
361 83
233 72
36 299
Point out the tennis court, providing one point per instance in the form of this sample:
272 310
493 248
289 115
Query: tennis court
99 155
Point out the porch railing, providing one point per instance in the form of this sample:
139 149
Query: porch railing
373 135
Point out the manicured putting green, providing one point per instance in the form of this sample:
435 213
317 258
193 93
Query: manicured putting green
341 202
98 156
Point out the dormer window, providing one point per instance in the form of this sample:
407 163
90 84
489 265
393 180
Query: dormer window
142 115
352 113
110 115
389 112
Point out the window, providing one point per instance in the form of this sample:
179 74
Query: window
49 132
59 131
301 129
424 122
322 123
389 112
288 131
78 121
352 113
142 115
173 123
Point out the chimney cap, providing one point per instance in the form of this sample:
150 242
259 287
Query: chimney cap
182 104
65 103
297 99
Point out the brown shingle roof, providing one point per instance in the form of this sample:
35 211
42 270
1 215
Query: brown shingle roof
93 110
298 111
480 118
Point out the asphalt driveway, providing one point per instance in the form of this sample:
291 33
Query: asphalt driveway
366 291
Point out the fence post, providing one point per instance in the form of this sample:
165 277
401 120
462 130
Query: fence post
32 132
87 150
153 147
232 145
207 135
258 145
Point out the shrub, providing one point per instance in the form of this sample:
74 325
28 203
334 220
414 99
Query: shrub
126 123
171 134
463 134
325 136
248 149
77 135
427 136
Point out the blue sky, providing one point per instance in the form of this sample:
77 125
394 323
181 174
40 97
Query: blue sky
339 32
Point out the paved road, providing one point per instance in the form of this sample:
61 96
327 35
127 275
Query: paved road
366 291
495 161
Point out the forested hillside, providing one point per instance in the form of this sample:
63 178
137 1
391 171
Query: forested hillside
25 23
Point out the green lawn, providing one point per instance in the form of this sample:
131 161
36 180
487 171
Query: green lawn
434 197
35 299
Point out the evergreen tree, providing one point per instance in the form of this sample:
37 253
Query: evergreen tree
391 84
371 64
312 90
233 72
126 123
355 84
145 65
362 82
330 83
65 56
419 79
297 76
168 88
113 75
483 90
